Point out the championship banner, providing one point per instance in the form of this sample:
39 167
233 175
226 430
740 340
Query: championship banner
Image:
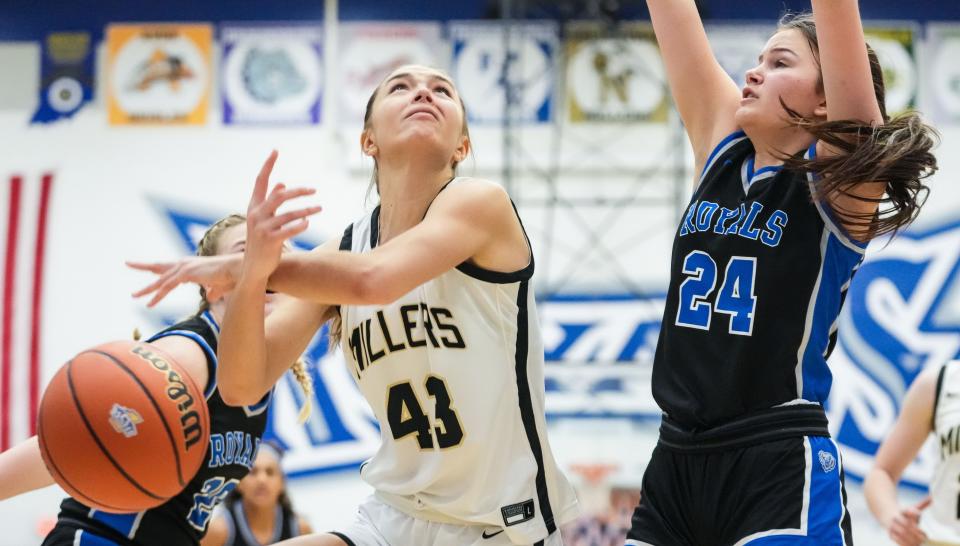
66 76
371 51
737 47
902 314
941 78
615 76
271 74
158 74
896 48
505 70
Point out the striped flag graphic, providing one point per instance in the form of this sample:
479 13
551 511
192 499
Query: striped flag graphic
26 202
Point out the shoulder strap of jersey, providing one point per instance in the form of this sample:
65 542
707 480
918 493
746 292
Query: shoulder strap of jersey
720 150
937 394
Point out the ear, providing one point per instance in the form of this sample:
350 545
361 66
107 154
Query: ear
821 110
368 143
462 150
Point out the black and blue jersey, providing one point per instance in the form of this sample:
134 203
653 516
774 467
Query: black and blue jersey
759 271
235 434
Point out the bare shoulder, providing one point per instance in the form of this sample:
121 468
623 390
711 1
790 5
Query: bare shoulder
187 354
926 382
305 528
476 195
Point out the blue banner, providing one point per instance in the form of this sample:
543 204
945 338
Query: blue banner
66 76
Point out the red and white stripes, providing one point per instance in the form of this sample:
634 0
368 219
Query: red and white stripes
26 202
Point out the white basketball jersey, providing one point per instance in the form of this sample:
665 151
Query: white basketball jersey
941 520
454 373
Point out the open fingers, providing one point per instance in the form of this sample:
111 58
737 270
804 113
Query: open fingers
152 267
280 221
293 229
280 195
155 285
263 179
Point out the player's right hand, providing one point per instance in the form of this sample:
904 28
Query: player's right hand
905 527
217 274
267 231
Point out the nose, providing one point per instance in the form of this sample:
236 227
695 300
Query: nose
754 76
423 93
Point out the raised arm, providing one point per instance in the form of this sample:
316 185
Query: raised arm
463 223
706 97
899 448
254 353
848 86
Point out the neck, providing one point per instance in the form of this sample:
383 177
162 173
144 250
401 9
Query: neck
770 145
406 190
262 520
218 309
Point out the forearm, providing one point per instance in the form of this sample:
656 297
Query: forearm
22 469
241 352
847 80
881 492
328 277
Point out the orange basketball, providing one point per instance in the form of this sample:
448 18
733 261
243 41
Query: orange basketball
122 427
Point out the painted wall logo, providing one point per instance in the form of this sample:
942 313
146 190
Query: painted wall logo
902 314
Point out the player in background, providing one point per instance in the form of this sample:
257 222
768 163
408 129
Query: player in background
258 511
931 405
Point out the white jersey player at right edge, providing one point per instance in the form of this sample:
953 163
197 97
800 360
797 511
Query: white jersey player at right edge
932 404
431 296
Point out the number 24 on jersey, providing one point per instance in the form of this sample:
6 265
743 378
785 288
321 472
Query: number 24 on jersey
735 298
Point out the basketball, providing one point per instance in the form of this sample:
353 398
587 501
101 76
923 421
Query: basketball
122 427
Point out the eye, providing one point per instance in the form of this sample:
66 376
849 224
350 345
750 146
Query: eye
397 86
444 89
779 64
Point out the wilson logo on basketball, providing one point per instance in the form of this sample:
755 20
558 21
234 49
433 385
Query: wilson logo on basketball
125 420
178 393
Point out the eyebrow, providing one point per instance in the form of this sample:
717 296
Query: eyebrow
778 50
410 75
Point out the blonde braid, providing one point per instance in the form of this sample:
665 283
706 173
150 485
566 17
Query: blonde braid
299 370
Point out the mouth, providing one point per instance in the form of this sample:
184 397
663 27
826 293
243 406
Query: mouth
421 112
748 94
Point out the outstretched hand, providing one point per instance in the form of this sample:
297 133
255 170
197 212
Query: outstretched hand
215 273
267 231
905 527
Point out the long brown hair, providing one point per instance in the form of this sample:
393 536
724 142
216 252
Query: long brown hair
897 152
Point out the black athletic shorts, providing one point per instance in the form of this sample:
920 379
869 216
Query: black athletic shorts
65 533
781 492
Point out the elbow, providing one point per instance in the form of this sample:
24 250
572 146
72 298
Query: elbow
235 393
371 287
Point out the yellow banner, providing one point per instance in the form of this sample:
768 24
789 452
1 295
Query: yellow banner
158 74
615 76
896 51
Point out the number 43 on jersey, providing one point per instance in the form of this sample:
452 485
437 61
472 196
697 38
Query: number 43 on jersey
735 298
